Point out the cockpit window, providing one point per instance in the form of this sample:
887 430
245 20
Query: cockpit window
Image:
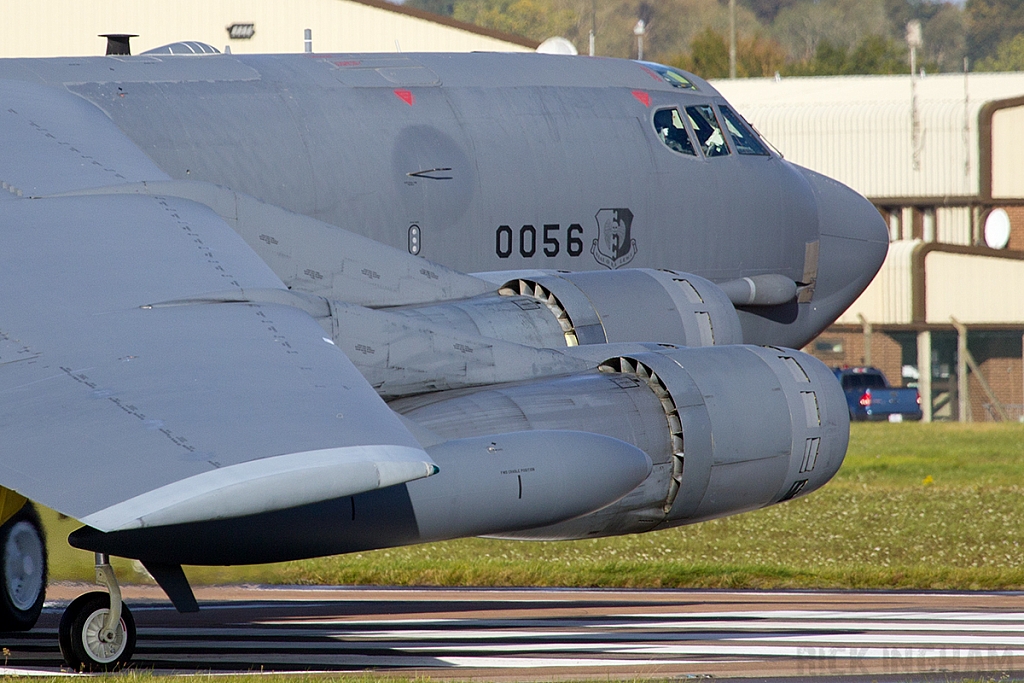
745 139
669 126
674 77
709 133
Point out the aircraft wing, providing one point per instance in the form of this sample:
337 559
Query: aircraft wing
127 398
56 142
120 409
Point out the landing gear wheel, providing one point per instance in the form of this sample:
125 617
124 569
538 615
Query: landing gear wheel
80 635
22 570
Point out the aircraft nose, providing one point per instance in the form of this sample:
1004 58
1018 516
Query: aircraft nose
853 244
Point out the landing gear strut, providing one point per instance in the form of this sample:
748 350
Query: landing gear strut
97 630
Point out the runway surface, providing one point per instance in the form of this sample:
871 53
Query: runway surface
557 634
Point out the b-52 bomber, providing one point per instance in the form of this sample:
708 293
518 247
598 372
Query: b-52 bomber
262 308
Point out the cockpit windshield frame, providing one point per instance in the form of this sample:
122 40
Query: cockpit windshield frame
708 130
672 76
744 139
670 127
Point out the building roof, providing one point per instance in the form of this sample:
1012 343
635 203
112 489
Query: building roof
51 28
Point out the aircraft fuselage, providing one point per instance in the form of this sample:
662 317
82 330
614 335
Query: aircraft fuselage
489 162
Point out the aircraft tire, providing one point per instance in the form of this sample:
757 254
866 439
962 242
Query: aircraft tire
22 570
78 635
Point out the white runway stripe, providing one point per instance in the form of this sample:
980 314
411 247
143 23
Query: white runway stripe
739 650
823 615
740 626
542 663
698 626
588 631
19 671
757 625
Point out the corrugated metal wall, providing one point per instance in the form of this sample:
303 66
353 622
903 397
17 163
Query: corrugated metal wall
858 129
888 298
1008 153
953 225
869 146
974 289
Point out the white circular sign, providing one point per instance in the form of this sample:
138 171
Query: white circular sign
997 229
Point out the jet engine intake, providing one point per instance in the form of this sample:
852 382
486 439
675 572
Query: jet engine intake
554 309
728 429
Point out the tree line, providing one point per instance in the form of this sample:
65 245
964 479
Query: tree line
788 37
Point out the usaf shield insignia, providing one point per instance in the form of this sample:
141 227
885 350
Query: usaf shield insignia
614 247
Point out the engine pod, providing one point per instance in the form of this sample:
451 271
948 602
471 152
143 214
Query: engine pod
728 429
633 305
554 309
644 305
760 425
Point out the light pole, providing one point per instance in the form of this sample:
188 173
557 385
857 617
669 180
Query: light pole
639 31
732 38
914 41
593 25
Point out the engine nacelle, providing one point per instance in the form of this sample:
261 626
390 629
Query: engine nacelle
727 429
556 309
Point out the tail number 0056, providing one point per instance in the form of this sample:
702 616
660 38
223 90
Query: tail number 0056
532 242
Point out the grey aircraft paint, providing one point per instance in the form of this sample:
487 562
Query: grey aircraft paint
547 147
239 321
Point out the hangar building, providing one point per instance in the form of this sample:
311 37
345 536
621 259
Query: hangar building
942 157
51 28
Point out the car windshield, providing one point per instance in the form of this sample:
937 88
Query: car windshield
863 382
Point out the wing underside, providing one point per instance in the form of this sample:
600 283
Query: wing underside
126 405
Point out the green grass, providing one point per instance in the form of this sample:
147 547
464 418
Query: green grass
918 506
